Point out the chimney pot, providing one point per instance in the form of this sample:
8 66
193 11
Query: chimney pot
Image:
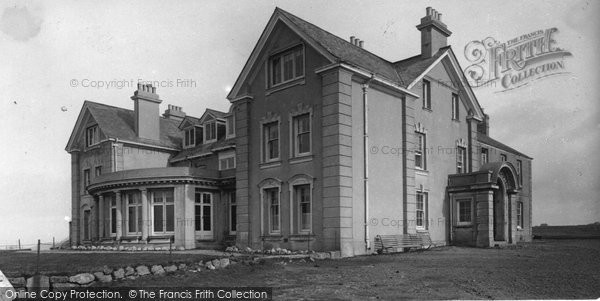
360 44
153 89
439 17
352 39
428 11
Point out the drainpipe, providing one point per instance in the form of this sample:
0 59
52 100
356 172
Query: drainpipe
114 152
365 88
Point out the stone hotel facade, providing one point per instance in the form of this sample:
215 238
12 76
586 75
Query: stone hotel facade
325 146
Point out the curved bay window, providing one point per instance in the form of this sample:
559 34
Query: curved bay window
203 214
163 211
134 212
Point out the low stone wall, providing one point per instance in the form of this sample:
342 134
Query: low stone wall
108 274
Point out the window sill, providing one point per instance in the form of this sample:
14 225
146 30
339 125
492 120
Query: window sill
301 159
302 237
270 164
273 237
427 109
422 172
283 86
463 226
456 120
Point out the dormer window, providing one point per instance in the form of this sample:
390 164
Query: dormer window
91 136
210 131
190 137
286 66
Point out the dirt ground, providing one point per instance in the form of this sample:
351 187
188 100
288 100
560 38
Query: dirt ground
544 269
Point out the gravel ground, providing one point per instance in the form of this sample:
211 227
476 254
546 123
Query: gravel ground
544 269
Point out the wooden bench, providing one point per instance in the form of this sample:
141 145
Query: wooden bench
396 243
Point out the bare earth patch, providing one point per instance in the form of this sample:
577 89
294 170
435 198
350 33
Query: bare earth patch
548 269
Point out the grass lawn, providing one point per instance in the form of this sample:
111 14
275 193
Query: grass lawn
16 264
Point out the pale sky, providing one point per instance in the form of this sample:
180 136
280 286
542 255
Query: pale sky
50 50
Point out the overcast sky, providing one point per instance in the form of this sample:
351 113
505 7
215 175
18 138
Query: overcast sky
53 52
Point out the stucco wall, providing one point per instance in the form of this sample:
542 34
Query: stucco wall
441 141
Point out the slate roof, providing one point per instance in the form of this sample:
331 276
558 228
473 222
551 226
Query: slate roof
216 113
402 72
499 145
208 148
119 123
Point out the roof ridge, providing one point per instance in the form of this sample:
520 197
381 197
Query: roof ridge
334 35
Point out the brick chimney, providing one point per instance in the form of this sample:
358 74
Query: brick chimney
147 115
174 112
434 33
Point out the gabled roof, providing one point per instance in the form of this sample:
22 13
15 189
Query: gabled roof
119 123
403 73
499 145
411 68
213 113
187 121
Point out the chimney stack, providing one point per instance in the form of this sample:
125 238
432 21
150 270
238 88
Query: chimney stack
434 33
174 112
146 109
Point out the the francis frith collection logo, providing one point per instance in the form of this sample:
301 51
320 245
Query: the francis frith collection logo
515 63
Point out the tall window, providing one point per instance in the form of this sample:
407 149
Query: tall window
520 171
484 156
91 136
203 211
503 157
226 160
455 107
86 179
113 215
420 152
210 131
464 211
134 212
461 160
272 200
163 207
426 95
286 66
232 213
231 125
519 215
190 137
97 171
301 134
421 210
271 141
302 197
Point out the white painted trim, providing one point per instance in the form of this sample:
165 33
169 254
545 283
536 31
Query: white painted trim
368 74
455 200
297 180
420 77
479 113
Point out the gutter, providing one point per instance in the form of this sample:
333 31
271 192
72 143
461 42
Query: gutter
372 77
